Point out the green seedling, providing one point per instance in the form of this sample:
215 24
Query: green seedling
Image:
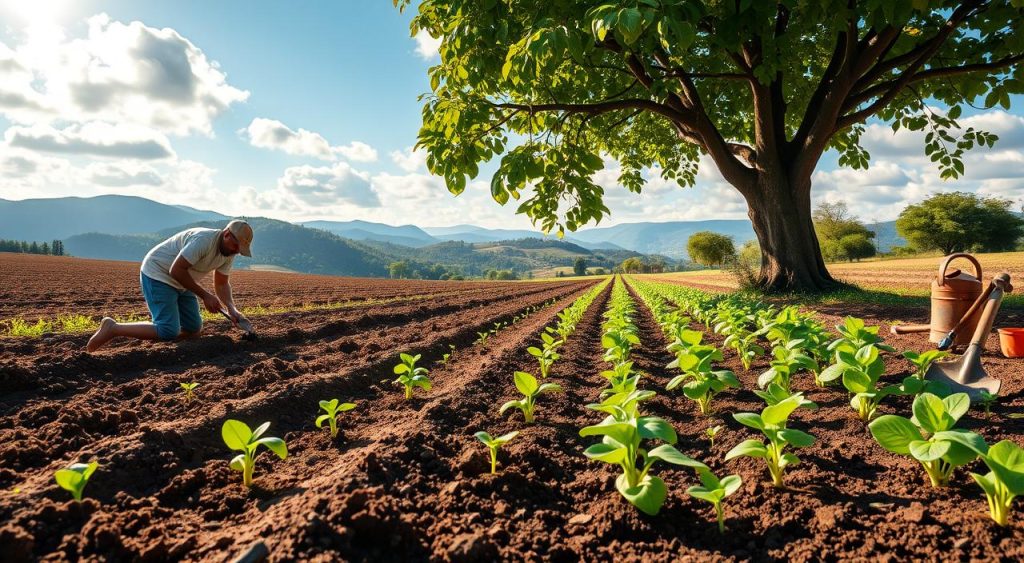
700 382
527 385
854 335
987 400
75 477
189 388
861 371
923 360
714 490
746 346
929 437
410 376
621 379
493 444
775 394
481 337
789 359
622 432
618 343
1004 481
332 409
772 423
711 433
238 437
546 355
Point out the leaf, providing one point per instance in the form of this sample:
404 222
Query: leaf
505 438
549 388
512 404
648 496
320 420
606 453
275 445
929 450
484 437
714 496
651 427
831 373
750 448
670 454
238 462
797 438
930 413
344 407
525 383
894 433
236 434
779 413
731 484
751 419
957 405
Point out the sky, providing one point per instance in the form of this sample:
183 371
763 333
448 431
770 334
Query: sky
308 110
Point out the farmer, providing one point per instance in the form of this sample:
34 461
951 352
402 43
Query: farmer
170 278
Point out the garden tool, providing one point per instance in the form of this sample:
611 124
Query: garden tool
249 334
948 340
953 293
966 374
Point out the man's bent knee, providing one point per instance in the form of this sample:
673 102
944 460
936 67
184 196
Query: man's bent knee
166 331
192 327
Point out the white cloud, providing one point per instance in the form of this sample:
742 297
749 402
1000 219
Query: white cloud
272 134
427 47
94 138
317 187
410 160
357 152
123 73
123 174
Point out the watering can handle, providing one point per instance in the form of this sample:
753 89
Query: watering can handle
945 263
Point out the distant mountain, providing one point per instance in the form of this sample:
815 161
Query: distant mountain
474 234
111 247
668 238
63 217
407 235
886 236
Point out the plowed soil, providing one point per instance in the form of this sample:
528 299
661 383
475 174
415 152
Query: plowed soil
406 480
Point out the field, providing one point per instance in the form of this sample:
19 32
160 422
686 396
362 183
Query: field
406 479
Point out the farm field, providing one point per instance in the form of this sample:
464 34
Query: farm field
406 479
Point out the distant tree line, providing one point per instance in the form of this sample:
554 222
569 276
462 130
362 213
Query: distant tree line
637 265
55 248
413 270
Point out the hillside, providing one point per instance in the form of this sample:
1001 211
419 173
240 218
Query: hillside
64 217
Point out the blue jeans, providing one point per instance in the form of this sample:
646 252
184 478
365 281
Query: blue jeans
173 310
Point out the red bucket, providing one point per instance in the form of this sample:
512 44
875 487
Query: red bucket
1011 341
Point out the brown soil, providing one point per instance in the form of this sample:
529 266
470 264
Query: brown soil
406 480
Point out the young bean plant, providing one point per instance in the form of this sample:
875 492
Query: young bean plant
494 444
772 423
700 382
527 385
75 477
622 433
547 354
1004 481
714 490
923 360
789 359
332 408
711 432
188 388
930 436
238 437
410 376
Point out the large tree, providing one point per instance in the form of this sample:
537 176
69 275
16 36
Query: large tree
961 221
550 87
710 249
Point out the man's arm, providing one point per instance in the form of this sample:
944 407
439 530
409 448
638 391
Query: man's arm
222 285
179 271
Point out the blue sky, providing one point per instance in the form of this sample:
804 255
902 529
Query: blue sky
308 110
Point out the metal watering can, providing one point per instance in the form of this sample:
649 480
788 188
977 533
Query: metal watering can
953 293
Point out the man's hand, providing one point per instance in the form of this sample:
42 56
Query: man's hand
212 303
237 317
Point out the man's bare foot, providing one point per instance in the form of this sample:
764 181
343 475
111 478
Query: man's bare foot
102 336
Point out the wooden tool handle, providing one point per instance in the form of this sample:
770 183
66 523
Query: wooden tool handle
907 329
974 308
988 315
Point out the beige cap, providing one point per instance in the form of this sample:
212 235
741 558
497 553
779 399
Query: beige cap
242 232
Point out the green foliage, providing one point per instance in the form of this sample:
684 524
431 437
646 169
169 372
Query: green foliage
410 376
579 266
930 436
481 337
528 386
700 382
710 249
772 423
711 432
987 400
923 360
1004 481
75 477
961 221
494 444
788 360
331 410
547 354
860 372
238 437
842 236
714 490
188 389
622 432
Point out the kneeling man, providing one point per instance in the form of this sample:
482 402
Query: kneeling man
170 278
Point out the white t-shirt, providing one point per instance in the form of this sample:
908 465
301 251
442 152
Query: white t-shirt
200 246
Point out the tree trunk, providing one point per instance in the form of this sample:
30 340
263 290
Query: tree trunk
791 259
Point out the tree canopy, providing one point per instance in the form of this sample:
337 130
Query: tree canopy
710 249
552 89
961 221
842 235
